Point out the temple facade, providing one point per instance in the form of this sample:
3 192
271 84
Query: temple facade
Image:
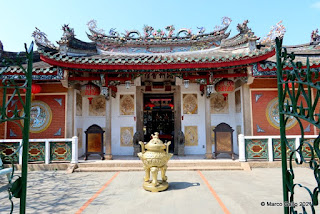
198 90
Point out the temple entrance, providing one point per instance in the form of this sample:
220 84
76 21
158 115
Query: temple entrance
158 116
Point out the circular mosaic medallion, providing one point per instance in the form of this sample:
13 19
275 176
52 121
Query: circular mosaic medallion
40 116
272 113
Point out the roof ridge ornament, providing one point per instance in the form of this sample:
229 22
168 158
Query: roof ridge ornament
277 30
150 33
67 31
315 37
41 39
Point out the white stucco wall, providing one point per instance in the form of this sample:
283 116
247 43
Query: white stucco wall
195 119
121 121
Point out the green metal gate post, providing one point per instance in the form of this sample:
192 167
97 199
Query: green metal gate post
282 127
25 139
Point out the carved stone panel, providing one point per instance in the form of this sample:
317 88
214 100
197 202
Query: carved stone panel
190 104
218 104
191 135
127 104
126 136
97 106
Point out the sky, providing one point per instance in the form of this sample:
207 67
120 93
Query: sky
18 19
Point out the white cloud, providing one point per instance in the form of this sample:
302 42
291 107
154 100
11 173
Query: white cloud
316 5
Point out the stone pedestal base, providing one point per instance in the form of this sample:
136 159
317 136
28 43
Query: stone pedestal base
162 185
108 157
209 155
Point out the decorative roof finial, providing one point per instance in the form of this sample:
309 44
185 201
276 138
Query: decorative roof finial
1 46
67 31
41 39
315 37
277 30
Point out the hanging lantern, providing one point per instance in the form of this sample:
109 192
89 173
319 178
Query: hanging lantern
35 89
289 84
224 85
90 90
128 84
186 83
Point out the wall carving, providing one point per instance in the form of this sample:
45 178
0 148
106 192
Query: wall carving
272 113
190 104
40 116
97 106
127 104
218 104
191 135
126 136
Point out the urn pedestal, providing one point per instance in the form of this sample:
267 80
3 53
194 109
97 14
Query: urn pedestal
155 156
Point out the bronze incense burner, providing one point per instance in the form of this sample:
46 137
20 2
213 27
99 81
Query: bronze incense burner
154 159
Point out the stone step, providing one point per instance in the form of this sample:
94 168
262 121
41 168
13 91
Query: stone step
127 169
179 163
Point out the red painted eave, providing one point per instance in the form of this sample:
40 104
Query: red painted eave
159 65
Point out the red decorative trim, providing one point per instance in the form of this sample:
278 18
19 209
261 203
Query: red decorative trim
157 66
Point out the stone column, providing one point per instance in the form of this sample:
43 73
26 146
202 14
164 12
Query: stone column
107 140
70 113
209 154
246 110
178 149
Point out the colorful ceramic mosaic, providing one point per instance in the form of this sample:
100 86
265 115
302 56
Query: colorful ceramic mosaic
306 149
190 104
78 104
277 148
36 151
8 149
60 151
256 149
97 107
126 136
191 135
40 116
272 113
218 104
127 104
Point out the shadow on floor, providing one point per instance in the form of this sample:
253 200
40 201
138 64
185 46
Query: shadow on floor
181 185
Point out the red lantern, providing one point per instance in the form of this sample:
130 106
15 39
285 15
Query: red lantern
225 85
90 90
171 105
35 89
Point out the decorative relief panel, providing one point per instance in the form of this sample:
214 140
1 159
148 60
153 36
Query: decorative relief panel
78 104
127 104
272 113
60 151
191 135
256 149
190 104
277 148
40 116
126 136
36 151
218 104
97 106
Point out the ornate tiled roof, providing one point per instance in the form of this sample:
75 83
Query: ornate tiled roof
212 58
